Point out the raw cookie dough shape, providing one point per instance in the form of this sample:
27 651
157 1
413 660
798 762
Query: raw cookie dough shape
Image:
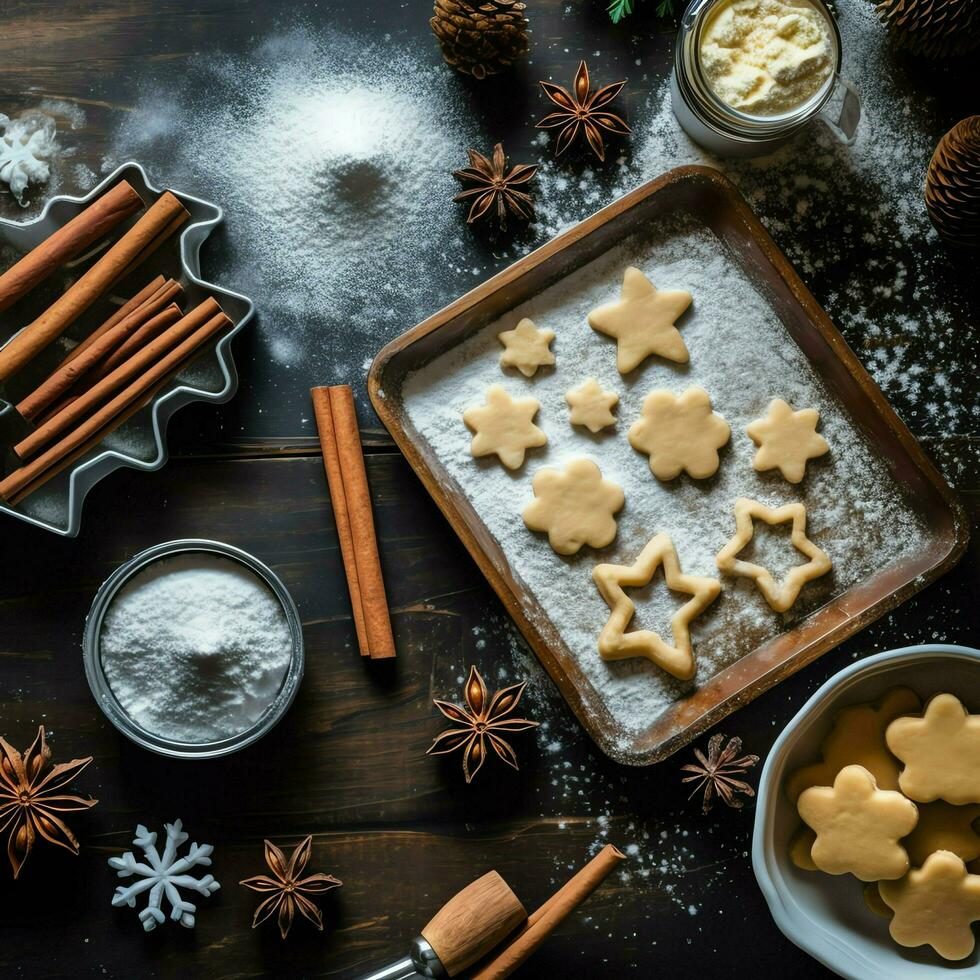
786 440
591 406
526 347
858 826
616 644
944 827
679 432
940 751
504 426
642 322
800 846
935 905
780 596
575 507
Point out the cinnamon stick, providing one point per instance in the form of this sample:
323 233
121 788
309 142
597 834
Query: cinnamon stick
24 476
542 922
91 285
141 361
102 215
140 337
350 497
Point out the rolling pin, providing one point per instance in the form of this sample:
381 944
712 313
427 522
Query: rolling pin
463 931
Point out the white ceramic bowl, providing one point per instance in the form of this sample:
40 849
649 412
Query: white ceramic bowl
823 914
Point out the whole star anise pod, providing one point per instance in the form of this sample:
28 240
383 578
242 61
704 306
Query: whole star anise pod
582 109
31 798
496 191
287 889
481 721
716 773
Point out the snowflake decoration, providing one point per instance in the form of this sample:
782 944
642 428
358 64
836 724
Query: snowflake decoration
163 874
25 144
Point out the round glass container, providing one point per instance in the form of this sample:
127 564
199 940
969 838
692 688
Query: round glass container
106 699
728 132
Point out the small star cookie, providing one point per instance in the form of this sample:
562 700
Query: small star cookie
504 426
679 433
575 507
526 347
940 751
616 644
642 322
943 827
779 596
858 826
591 406
935 905
786 440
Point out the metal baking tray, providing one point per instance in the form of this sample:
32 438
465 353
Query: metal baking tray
140 442
711 200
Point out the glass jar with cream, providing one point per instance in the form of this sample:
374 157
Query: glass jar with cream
749 74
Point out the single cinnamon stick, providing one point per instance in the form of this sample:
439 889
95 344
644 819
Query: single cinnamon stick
140 362
102 215
91 285
350 496
24 476
543 921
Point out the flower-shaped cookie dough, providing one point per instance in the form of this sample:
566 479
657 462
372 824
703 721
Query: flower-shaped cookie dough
943 827
679 433
504 426
786 440
940 751
575 507
934 905
858 826
591 406
779 596
526 347
642 322
616 644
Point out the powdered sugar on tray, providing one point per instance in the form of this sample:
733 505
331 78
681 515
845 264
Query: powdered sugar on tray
743 357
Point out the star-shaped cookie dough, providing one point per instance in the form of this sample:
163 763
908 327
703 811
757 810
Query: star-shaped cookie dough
935 905
504 426
679 432
642 322
786 440
940 751
780 596
616 644
591 406
858 826
526 347
944 827
575 507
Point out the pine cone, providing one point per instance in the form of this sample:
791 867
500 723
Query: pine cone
932 28
480 37
953 185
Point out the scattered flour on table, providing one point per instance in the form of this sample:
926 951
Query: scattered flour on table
742 356
195 648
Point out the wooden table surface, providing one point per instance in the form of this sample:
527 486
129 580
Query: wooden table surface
401 830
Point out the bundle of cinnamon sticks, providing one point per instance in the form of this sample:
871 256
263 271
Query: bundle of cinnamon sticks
120 365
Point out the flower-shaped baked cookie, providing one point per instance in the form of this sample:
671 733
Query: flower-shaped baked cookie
504 426
591 406
940 751
935 905
679 432
526 347
858 826
642 322
786 440
575 507
944 827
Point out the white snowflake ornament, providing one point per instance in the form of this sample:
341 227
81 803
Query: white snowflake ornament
163 875
26 143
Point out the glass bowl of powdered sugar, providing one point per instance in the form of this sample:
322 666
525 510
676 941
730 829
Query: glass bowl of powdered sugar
193 649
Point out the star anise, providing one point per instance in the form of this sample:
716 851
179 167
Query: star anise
496 189
287 888
30 799
482 720
716 773
581 109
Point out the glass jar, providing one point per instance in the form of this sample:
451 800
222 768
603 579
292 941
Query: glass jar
729 132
